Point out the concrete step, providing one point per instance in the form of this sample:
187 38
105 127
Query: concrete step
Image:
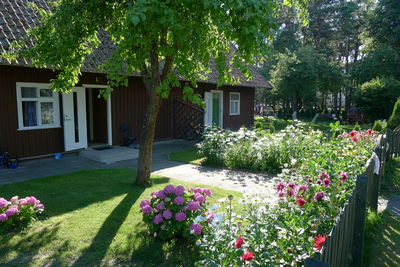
111 155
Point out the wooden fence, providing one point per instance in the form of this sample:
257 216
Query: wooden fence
344 245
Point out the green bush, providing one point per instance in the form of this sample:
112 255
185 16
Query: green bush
394 119
379 126
356 127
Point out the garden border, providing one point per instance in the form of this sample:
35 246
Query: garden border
344 245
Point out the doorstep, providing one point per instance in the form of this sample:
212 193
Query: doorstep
109 154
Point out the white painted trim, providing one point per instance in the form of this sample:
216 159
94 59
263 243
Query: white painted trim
230 103
91 127
109 110
54 100
221 106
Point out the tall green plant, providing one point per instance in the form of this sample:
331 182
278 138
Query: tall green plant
394 119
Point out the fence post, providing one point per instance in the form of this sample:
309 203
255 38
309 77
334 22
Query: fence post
359 220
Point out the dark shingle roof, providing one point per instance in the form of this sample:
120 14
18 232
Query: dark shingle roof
16 18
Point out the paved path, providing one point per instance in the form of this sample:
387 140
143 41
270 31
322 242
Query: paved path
226 179
390 203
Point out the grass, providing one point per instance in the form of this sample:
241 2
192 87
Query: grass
92 219
188 156
382 240
391 182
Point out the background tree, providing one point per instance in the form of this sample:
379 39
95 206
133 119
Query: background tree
163 40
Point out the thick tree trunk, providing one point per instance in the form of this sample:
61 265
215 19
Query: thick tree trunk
147 138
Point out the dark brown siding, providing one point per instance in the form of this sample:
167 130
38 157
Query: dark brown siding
128 107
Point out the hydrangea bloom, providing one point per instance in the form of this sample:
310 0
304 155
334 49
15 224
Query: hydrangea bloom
179 190
199 197
32 200
193 205
180 216
169 189
158 219
160 194
144 203
3 203
195 229
3 217
167 214
12 211
40 207
14 199
147 209
160 206
179 200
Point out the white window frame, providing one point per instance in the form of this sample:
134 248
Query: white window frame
234 101
54 100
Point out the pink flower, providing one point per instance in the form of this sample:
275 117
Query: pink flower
319 241
3 203
12 211
354 139
167 214
239 242
343 177
281 194
210 216
353 133
193 205
199 197
3 217
160 206
179 200
319 196
14 199
180 216
280 186
22 201
369 131
198 190
248 256
207 191
195 229
327 182
158 219
31 200
323 175
290 192
147 209
40 207
144 203
179 190
302 189
292 186
169 189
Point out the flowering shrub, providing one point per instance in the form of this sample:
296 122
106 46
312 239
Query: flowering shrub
171 212
310 193
246 149
16 212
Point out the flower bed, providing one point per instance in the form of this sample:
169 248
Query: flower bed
312 190
175 212
18 212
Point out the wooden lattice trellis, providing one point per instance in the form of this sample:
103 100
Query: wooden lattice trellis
188 120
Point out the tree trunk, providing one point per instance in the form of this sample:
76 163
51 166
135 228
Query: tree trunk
147 138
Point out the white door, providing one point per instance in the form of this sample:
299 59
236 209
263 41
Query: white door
74 108
208 109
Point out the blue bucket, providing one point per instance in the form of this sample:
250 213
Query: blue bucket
57 156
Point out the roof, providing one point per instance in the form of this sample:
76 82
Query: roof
16 18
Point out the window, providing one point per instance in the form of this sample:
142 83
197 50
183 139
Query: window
38 106
234 103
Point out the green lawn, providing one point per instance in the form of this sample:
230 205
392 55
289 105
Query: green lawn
391 183
187 156
92 219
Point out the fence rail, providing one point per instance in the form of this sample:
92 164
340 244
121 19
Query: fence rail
344 245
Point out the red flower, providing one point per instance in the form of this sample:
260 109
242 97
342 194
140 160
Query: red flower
353 133
319 241
369 131
300 202
239 242
354 139
248 256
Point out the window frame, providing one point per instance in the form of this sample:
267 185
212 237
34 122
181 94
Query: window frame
234 101
55 100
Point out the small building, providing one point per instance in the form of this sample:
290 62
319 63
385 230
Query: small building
37 121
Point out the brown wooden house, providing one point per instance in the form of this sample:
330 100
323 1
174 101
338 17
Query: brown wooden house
36 121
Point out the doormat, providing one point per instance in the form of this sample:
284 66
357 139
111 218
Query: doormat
103 148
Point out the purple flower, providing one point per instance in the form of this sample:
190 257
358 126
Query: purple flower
281 186
158 219
40 207
169 189
195 229
281 194
210 216
327 182
179 200
319 196
12 211
22 201
167 214
179 190
207 191
160 194
343 176
199 197
180 216
32 201
198 190
193 205
3 217
14 199
3 203
147 209
302 189
160 206
144 203
292 186
323 175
